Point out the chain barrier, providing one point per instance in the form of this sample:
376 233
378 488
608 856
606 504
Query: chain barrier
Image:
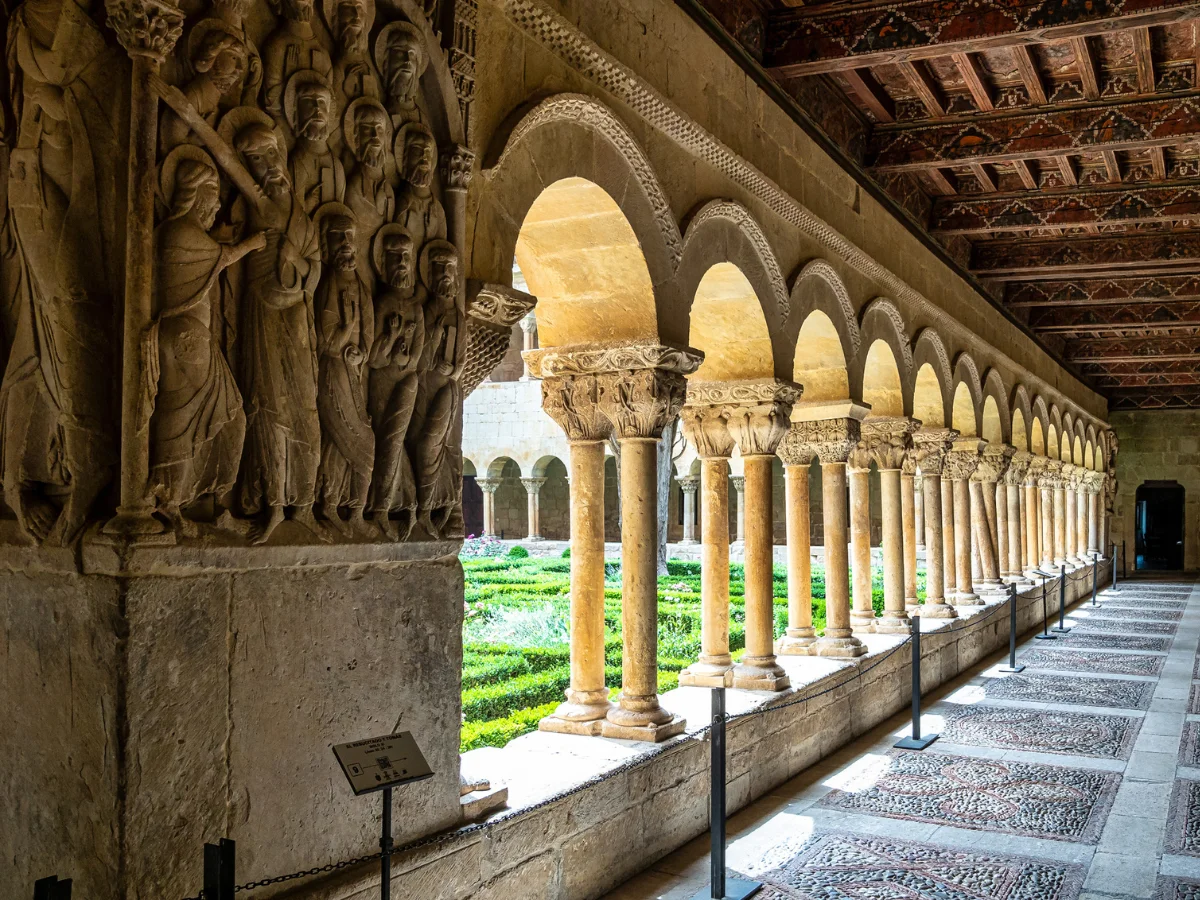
699 734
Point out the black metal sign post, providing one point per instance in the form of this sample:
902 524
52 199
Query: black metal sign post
1045 635
220 860
720 887
380 764
1012 632
1062 601
52 889
915 741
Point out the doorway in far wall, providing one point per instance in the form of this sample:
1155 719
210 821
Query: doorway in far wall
1159 526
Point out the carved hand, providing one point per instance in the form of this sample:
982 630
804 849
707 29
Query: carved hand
353 355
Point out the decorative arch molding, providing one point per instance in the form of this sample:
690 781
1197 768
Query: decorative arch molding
993 386
625 173
881 320
928 348
966 372
841 312
1056 420
1020 401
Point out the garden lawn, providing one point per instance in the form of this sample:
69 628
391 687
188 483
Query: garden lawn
516 655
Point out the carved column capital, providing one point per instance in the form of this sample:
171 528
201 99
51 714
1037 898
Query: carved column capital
147 28
753 414
689 484
930 446
794 450
572 401
488 485
707 429
1050 474
832 440
458 168
1018 465
533 485
993 463
529 323
909 465
492 310
963 458
739 482
886 440
641 403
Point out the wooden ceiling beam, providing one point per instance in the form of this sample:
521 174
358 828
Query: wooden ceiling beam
986 182
943 184
1099 291
1067 168
872 94
972 75
1143 54
1158 162
1114 167
1086 67
1025 174
1030 75
921 81
1124 254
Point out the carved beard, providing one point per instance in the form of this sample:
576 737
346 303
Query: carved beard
372 153
445 287
275 182
350 38
314 129
403 83
401 277
206 211
420 175
346 259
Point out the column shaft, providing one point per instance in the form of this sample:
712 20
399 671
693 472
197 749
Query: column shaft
1046 515
949 571
1081 526
739 484
800 633
1016 542
1069 520
918 502
1059 518
981 532
837 640
862 617
1000 513
935 596
965 595
908 504
689 513
715 663
894 619
1093 529
758 669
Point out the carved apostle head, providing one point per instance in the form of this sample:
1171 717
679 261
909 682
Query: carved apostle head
264 158
296 10
401 57
217 52
350 22
190 185
339 237
394 258
308 105
439 270
368 131
416 155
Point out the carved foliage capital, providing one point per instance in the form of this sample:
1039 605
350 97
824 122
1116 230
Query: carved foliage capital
794 450
1017 467
145 27
488 485
1050 474
963 459
759 425
930 446
707 429
598 359
573 402
498 305
533 485
832 440
458 167
641 403
689 484
754 414
887 440
993 463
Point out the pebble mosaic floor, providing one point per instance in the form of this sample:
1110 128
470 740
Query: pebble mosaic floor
1077 779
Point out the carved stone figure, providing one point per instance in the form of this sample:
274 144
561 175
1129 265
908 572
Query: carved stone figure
367 133
345 330
219 60
317 174
354 73
233 14
198 426
402 59
417 208
438 482
67 162
394 363
298 43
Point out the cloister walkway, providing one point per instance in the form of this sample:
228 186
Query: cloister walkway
1077 778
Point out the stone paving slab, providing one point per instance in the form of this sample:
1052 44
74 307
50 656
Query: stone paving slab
1177 889
1193 706
1099 641
1122 626
1075 734
1078 691
1183 821
1132 612
1053 802
838 865
1107 663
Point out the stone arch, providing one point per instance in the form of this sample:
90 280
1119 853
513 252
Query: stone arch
728 326
966 409
468 468
881 323
1077 451
495 468
1054 433
931 368
1039 426
1020 430
1020 403
539 468
991 423
1089 455
819 288
578 143
1100 459
882 385
999 431
820 360
723 231
554 498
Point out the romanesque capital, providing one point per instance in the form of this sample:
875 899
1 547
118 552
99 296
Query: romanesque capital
761 414
488 485
599 359
529 323
909 465
832 440
458 167
572 401
793 450
498 305
1050 474
1070 475
689 484
1018 465
738 482
1037 468
930 446
993 463
642 402
887 439
707 429
963 458
145 27
533 485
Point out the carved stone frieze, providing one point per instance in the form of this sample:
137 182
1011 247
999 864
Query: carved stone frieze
993 463
595 359
1018 466
930 446
492 310
963 459
887 440
832 440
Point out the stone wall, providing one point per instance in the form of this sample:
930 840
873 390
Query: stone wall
1159 445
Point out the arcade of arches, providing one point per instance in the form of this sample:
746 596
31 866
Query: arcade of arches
296 298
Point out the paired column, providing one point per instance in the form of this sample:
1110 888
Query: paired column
858 473
833 440
797 457
929 448
1058 514
689 485
1082 488
1070 514
888 440
949 573
1018 539
1047 478
739 485
909 499
533 493
489 486
529 342
961 463
919 514
986 516
1095 486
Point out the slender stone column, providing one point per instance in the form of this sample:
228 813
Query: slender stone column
1093 496
1058 514
800 635
1046 481
1001 515
529 342
758 424
929 447
993 463
862 612
689 485
949 573
1081 519
739 485
1070 477
888 441
1018 542
489 486
908 497
572 401
961 463
919 512
1108 498
533 493
833 440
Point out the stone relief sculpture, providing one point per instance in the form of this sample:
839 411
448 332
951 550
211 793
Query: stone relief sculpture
302 348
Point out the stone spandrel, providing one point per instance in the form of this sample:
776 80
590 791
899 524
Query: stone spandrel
296 331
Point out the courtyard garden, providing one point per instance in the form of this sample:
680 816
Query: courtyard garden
516 653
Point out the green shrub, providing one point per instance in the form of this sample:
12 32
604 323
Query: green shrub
518 552
495 701
493 670
566 554
498 732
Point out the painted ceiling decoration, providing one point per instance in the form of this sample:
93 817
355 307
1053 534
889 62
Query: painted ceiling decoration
1051 146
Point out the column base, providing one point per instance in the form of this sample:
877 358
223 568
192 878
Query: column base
911 603
797 643
971 599
893 623
707 674
768 676
582 713
532 538
555 725
941 610
650 732
862 622
838 647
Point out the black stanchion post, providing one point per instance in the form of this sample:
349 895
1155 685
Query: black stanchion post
1062 601
1012 632
1124 564
52 889
1045 635
1094 575
1114 560
219 864
720 887
916 742
385 847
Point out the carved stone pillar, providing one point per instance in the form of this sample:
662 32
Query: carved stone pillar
1070 480
1018 544
528 341
797 457
986 516
1081 518
739 485
533 493
929 448
758 422
919 512
1047 477
862 612
961 463
946 505
148 30
458 168
689 485
572 400
1093 496
888 440
489 486
1058 503
833 439
908 496
639 402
